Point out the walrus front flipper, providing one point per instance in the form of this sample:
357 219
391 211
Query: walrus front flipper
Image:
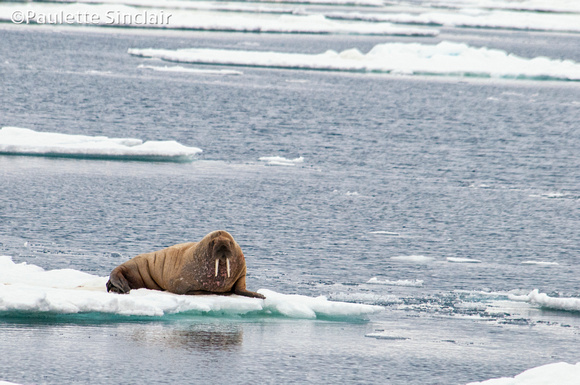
118 283
240 289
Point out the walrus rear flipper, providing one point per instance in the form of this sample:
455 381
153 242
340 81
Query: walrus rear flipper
118 283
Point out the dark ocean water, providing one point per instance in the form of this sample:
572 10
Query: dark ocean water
458 168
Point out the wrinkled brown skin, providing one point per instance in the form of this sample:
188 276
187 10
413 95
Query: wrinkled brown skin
187 268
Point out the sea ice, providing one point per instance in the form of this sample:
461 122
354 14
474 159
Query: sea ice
540 263
30 289
480 19
547 302
462 260
119 15
412 258
445 58
400 282
560 373
191 70
281 161
23 141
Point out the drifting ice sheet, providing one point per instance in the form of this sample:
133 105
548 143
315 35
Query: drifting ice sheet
547 302
474 19
445 58
400 282
520 5
23 141
281 161
191 70
560 373
115 15
30 289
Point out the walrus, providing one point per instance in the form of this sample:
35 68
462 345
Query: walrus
214 265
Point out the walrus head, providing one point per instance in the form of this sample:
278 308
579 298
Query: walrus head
224 254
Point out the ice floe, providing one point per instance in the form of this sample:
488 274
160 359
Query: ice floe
540 263
196 71
23 141
387 233
118 15
28 288
474 19
412 258
560 373
546 302
519 5
462 260
399 282
194 3
445 58
281 161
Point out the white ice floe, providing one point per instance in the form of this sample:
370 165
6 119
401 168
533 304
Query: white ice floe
367 298
546 302
412 258
400 282
388 233
462 260
474 19
560 373
540 263
445 58
118 15
572 6
281 161
170 5
197 71
30 289
231 5
23 141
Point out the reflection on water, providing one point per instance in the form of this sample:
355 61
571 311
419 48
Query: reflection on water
198 337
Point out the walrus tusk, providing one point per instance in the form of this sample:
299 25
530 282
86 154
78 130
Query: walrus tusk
228 266
217 266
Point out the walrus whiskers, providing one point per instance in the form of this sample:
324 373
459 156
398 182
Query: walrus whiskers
217 266
228 266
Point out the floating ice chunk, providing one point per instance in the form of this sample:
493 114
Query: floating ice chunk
400 282
367 298
445 58
560 373
30 289
412 258
389 233
547 302
23 141
540 263
281 161
299 306
567 6
195 4
471 18
462 260
148 17
191 70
